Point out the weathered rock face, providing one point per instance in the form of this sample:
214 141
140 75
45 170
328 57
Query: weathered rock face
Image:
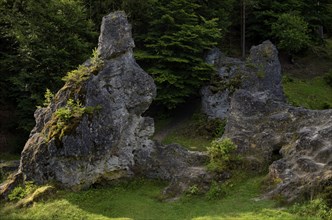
296 141
102 144
261 72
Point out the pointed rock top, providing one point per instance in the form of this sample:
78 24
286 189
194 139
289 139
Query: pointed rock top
115 35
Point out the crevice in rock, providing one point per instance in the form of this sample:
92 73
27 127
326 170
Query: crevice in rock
276 155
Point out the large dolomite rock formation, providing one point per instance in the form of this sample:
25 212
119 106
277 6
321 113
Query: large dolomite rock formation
101 145
113 141
295 142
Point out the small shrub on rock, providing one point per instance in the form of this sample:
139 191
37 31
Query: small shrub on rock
222 155
20 192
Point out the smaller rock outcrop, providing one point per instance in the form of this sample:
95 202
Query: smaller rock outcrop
295 142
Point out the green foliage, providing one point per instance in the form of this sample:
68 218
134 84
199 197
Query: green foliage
193 190
73 109
315 208
40 41
48 97
83 72
216 191
20 192
221 153
65 119
292 32
174 47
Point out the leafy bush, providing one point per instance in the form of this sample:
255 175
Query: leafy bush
20 192
316 207
222 155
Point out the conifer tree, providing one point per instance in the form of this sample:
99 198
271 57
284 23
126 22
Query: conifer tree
174 49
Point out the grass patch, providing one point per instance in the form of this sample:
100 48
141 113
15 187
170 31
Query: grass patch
138 200
194 144
312 94
194 133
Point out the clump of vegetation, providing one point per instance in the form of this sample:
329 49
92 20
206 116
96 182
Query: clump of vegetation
83 72
222 155
193 190
49 96
66 118
313 208
22 191
221 84
292 32
216 191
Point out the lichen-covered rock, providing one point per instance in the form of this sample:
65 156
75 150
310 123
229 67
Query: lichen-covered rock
296 142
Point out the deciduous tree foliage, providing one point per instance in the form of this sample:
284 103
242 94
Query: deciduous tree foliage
291 32
41 41
263 14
